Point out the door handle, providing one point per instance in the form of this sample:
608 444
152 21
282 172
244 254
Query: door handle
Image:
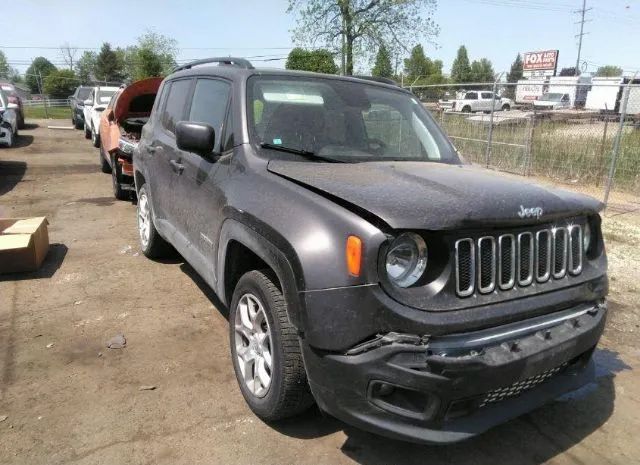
176 166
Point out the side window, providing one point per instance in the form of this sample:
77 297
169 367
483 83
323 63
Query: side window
175 104
209 105
471 96
487 95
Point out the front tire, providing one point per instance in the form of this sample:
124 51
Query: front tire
506 107
151 243
466 109
265 349
95 137
87 131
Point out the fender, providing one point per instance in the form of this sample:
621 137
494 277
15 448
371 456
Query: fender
272 248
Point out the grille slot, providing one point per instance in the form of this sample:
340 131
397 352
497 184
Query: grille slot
543 255
559 252
575 249
486 264
525 258
504 261
465 267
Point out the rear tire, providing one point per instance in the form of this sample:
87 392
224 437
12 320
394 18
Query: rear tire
506 107
151 243
95 137
78 124
266 346
466 109
118 192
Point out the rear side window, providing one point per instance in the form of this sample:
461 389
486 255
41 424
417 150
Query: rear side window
209 104
175 103
471 96
487 95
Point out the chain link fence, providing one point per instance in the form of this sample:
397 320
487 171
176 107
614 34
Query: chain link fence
584 134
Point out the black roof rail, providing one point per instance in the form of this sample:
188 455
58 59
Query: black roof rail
230 61
383 80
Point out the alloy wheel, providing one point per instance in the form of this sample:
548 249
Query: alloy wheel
144 220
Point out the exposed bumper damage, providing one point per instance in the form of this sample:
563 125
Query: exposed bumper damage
448 388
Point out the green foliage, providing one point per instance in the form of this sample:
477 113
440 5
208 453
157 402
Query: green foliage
461 69
85 67
5 69
154 55
108 66
482 71
569 71
60 83
319 61
41 66
418 64
364 24
514 75
383 67
609 71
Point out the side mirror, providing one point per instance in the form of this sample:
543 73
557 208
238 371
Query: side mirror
12 106
198 138
88 102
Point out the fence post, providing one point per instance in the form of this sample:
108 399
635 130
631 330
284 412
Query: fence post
616 143
529 145
490 135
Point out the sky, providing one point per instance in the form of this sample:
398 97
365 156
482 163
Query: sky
261 29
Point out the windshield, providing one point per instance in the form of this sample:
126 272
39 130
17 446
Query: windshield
104 96
84 93
552 97
343 121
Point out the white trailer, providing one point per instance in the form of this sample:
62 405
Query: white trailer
576 87
606 95
528 90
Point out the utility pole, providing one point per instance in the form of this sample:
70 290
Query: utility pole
582 33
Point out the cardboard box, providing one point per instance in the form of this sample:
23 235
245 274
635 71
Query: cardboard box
24 243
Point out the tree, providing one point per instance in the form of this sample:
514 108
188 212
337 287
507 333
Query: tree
68 54
85 67
482 71
319 61
514 75
362 24
382 67
461 69
153 55
60 83
5 69
609 71
108 68
569 71
40 66
418 64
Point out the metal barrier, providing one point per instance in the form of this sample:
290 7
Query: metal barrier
587 135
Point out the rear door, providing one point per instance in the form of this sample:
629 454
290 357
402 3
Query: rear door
486 101
199 192
163 155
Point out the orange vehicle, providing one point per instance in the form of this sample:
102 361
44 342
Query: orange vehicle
120 128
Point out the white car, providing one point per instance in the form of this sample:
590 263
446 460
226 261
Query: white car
93 107
473 101
552 101
8 120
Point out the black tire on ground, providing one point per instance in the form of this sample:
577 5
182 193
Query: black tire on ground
156 246
116 173
466 109
506 107
20 121
289 392
104 164
79 124
95 137
87 131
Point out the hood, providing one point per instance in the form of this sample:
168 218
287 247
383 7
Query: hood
123 108
435 196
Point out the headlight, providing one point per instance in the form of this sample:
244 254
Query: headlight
586 237
406 259
126 147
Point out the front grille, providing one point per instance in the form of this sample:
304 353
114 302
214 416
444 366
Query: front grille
504 261
519 387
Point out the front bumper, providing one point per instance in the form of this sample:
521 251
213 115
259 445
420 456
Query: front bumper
449 388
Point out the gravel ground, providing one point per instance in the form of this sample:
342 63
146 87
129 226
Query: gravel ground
69 399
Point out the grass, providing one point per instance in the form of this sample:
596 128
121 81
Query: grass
38 112
574 151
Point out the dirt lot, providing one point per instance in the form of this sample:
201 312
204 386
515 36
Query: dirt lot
78 402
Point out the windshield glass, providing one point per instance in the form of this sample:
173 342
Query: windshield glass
552 97
342 120
104 96
84 93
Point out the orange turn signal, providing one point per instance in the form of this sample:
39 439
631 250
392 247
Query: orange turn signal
354 255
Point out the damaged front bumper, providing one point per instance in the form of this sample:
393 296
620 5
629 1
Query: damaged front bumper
448 388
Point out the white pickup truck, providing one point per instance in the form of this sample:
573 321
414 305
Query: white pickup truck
473 101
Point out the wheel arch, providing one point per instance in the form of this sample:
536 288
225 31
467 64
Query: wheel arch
242 248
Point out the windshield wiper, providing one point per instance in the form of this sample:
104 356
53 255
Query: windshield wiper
301 152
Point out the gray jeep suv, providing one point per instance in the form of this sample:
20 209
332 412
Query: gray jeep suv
364 264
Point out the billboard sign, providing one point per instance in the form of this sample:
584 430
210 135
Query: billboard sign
540 64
